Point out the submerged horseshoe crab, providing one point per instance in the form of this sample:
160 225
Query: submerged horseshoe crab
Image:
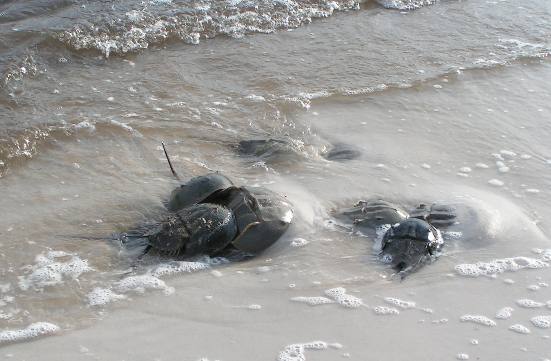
210 215
282 149
409 239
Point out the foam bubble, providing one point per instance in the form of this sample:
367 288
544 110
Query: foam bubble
287 217
299 242
313 301
465 169
141 283
32 331
349 301
449 235
541 321
343 299
335 292
216 273
85 125
519 329
505 313
52 269
296 352
462 356
380 233
533 287
174 267
102 296
495 182
255 98
474 341
482 165
400 303
315 345
263 269
508 153
383 310
527 303
478 319
499 266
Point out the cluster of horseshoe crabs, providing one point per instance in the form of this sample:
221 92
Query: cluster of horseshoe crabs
210 215
410 239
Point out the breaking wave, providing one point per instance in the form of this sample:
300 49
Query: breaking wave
158 21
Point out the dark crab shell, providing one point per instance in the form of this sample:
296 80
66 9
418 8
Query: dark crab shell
196 190
262 216
413 229
440 215
410 243
272 150
274 215
371 214
342 152
201 228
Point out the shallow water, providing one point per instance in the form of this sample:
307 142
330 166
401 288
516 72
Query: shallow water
449 102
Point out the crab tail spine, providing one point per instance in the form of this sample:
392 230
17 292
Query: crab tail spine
170 163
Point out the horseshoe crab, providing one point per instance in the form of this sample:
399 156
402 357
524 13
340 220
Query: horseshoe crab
410 239
210 215
368 215
409 244
281 149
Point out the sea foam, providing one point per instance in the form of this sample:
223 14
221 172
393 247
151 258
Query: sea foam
499 266
102 296
504 313
541 321
313 301
342 298
478 319
141 283
53 268
296 352
32 331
